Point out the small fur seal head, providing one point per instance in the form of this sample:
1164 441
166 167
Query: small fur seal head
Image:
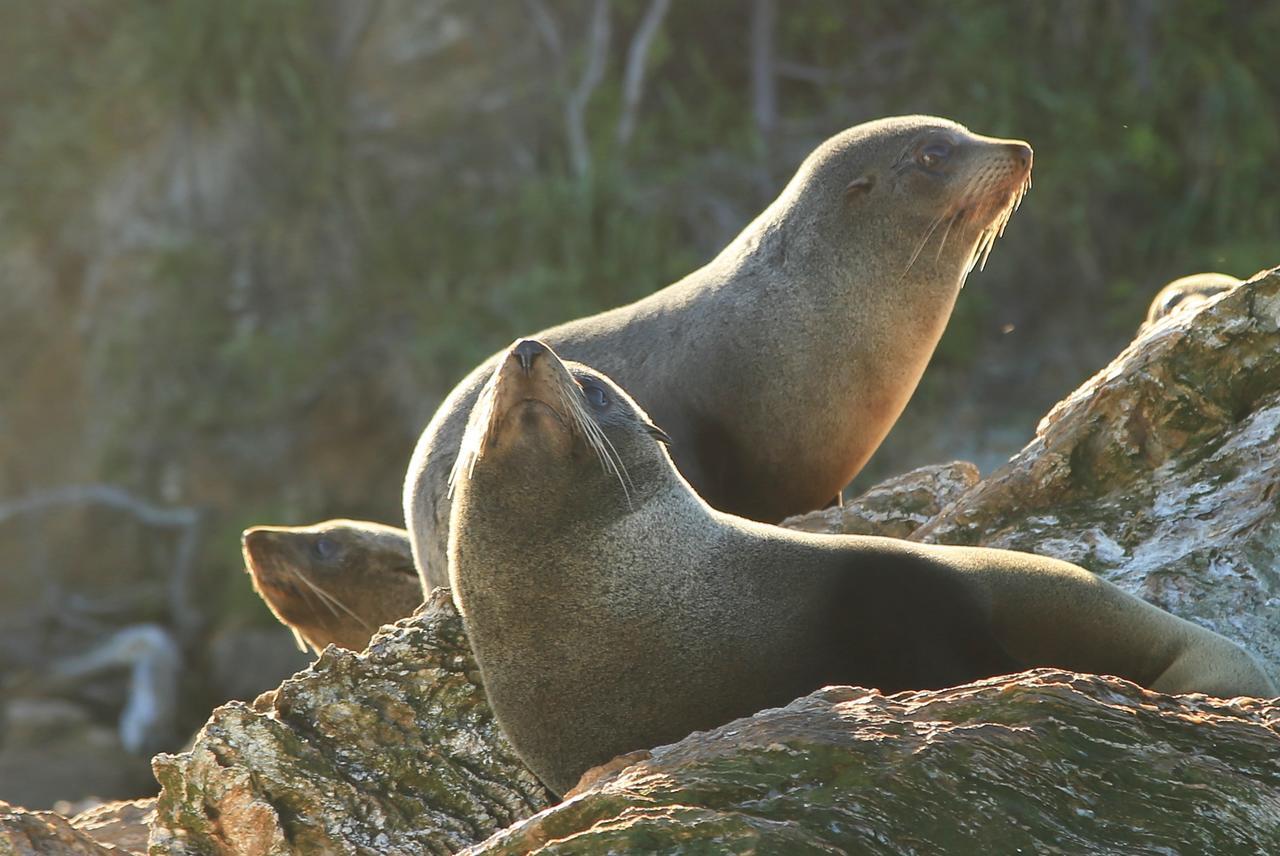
335 582
1185 292
550 431
909 183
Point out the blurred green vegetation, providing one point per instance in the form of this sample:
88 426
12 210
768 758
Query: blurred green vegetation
403 190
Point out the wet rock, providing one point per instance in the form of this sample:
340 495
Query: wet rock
895 507
390 750
1161 473
1041 762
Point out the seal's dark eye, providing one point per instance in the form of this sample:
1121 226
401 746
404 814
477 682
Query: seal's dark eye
595 395
324 548
934 153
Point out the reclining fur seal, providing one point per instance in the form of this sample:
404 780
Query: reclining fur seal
611 609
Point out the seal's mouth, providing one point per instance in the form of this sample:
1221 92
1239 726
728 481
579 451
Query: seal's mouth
274 578
998 177
529 408
530 390
998 182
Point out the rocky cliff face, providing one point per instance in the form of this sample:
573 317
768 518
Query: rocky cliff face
1160 472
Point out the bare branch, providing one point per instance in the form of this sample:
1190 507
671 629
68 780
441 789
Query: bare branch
545 23
764 89
637 60
186 617
575 108
99 494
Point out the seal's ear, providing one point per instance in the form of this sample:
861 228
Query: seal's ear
657 433
859 186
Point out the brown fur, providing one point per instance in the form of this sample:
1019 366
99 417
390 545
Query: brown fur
611 609
762 364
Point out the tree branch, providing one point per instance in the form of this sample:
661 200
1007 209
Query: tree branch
575 108
637 60
546 26
764 89
186 617
98 494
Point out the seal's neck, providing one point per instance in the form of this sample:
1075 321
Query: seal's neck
832 347
552 557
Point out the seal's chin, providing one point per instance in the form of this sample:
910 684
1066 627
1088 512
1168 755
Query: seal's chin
989 202
529 422
281 593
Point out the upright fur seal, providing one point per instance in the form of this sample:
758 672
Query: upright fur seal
1186 292
826 309
333 582
611 609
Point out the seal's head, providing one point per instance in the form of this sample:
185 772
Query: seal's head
930 189
1186 292
547 432
334 582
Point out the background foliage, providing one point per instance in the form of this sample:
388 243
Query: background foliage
248 245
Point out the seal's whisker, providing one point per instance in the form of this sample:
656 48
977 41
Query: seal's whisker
329 600
943 243
610 460
307 597
916 254
619 467
473 439
299 640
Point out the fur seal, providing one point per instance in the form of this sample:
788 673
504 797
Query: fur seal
335 582
611 609
1186 292
827 307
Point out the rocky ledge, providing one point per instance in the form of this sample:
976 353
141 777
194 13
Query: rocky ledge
1162 472
1040 762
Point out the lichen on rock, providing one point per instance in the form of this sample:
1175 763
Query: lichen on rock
390 750
1161 473
1041 762
895 507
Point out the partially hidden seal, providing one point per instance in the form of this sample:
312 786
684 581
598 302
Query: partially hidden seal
1186 292
779 367
334 582
611 609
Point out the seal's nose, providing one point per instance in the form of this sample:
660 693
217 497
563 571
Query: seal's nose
526 351
1021 152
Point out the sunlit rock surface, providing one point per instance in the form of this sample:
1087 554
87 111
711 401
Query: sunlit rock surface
896 507
126 824
45 833
1161 473
390 751
1043 762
